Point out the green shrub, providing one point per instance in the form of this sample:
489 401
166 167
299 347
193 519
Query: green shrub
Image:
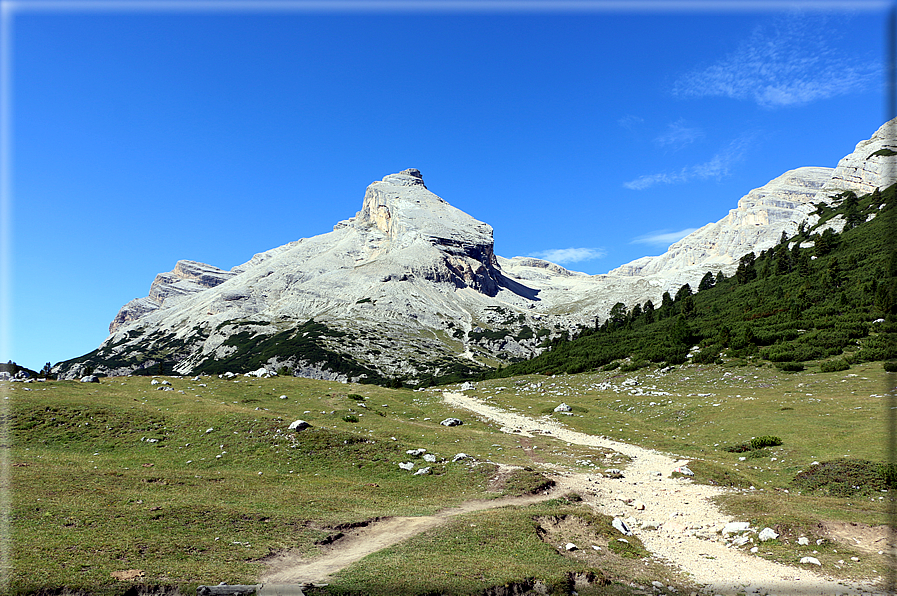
615 365
350 418
356 396
765 441
790 366
891 366
834 366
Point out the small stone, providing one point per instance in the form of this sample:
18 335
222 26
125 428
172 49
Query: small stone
429 457
460 456
451 422
408 465
571 547
735 527
563 408
621 526
299 425
810 561
422 472
90 379
803 541
767 534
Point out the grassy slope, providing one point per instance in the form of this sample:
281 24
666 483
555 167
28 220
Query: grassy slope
91 497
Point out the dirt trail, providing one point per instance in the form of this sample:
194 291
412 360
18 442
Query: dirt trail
686 520
291 568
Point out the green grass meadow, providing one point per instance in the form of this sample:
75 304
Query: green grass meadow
198 484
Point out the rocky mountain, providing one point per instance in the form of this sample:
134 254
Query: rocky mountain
761 216
410 288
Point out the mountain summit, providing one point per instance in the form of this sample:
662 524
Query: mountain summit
410 288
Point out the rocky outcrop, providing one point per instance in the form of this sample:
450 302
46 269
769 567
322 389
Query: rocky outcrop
187 277
779 206
754 225
873 164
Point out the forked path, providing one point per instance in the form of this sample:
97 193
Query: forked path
291 568
687 522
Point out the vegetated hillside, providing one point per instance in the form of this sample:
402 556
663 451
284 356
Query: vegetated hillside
820 295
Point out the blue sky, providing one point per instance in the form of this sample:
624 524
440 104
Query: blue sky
140 133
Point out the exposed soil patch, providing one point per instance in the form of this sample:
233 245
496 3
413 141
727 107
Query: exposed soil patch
868 539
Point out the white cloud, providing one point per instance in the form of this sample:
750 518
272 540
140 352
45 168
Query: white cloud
716 167
789 63
678 134
570 255
663 237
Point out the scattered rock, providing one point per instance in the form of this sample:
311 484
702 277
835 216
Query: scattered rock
767 534
407 465
621 526
466 386
415 452
451 422
563 408
613 473
803 541
735 527
423 471
810 561
460 456
429 457
283 397
90 379
684 470
570 547
638 505
298 425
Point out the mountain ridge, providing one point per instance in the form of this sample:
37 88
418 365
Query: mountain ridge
415 289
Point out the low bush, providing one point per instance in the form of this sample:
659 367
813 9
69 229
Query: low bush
834 366
350 418
890 366
790 366
765 441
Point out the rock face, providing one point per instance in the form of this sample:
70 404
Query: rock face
873 164
764 213
410 288
756 224
188 277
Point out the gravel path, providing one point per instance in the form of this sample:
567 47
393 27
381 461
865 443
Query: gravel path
687 521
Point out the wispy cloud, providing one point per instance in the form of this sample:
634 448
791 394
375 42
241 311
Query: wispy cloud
716 167
570 255
677 134
662 237
630 122
791 62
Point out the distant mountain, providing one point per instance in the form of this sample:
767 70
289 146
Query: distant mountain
765 213
409 289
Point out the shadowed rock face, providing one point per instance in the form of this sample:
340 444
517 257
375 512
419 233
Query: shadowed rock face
401 207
